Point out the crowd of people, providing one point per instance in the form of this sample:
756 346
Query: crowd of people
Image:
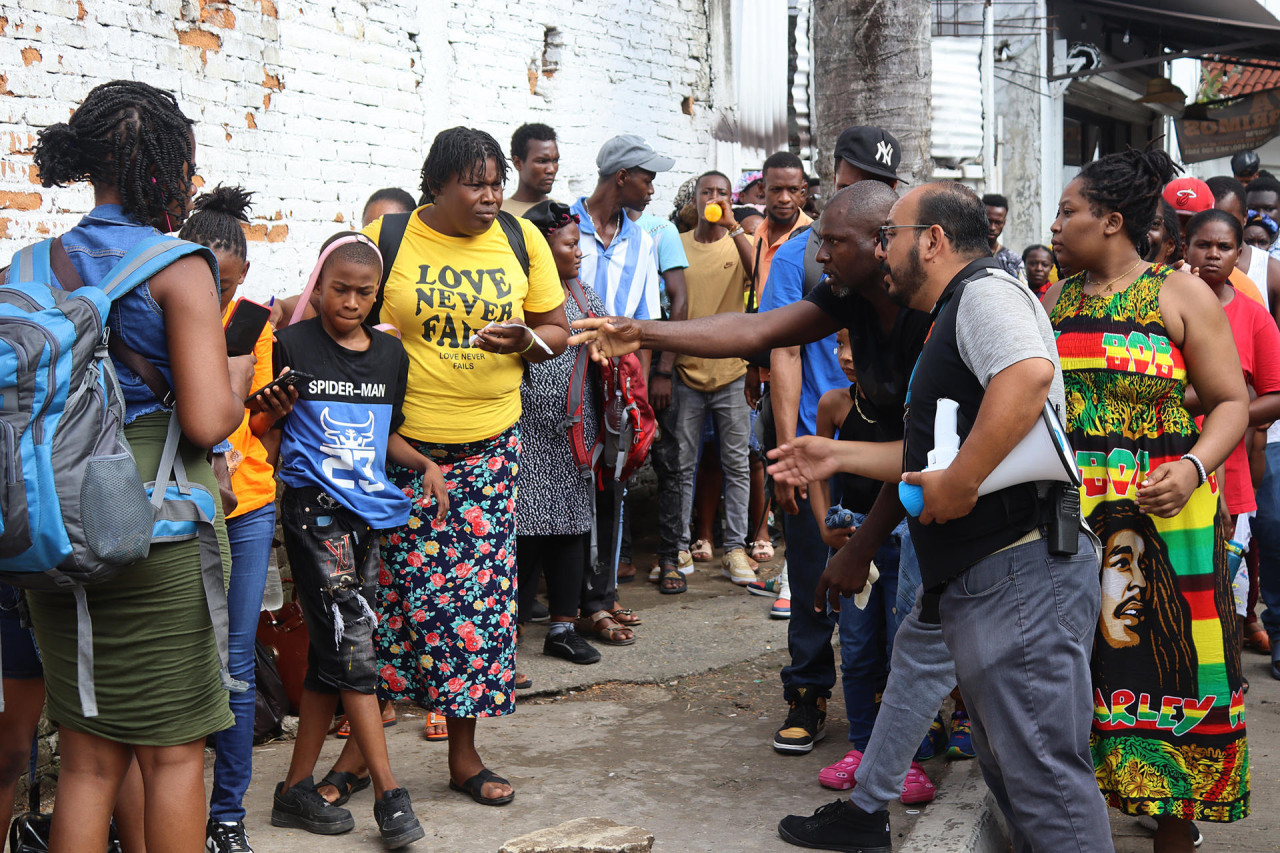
431 407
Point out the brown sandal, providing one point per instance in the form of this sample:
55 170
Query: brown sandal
626 617
602 626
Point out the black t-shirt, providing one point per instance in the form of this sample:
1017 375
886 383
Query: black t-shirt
883 363
336 436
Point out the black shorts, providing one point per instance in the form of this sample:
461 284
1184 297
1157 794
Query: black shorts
334 558
18 655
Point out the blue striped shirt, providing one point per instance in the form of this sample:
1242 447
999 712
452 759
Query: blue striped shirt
625 274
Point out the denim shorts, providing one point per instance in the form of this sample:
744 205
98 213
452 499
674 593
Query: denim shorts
18 656
334 558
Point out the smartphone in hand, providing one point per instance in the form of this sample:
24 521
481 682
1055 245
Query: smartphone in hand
285 380
245 325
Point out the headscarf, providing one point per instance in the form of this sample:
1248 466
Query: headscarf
549 216
746 180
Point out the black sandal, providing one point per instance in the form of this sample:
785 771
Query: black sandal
672 573
475 785
345 784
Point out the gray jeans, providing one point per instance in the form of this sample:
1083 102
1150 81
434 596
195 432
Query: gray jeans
1020 628
729 407
1015 685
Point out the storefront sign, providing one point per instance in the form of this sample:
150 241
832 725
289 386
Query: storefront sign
1241 125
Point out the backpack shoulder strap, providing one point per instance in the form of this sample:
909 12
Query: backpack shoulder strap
29 261
515 236
579 296
148 257
390 236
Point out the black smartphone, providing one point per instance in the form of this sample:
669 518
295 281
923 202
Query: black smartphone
293 377
245 325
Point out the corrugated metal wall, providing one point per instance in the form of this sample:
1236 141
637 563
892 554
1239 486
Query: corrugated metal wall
957 101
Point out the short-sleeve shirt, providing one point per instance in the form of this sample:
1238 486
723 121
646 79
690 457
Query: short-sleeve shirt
883 362
666 241
441 291
766 250
335 438
1258 342
819 367
624 273
252 477
715 281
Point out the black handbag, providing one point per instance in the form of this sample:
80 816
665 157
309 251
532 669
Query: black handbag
29 832
270 701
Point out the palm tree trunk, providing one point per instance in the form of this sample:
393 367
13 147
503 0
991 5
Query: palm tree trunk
872 66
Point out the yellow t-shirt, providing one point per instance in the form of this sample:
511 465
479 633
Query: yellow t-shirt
252 477
714 283
441 291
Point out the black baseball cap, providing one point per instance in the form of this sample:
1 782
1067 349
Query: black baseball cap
1245 163
871 149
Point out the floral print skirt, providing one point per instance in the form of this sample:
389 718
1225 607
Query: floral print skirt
446 636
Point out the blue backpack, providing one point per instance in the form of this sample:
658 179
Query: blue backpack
74 510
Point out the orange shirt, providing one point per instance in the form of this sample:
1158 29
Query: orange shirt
1246 285
252 477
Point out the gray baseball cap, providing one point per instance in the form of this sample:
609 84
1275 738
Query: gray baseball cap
629 151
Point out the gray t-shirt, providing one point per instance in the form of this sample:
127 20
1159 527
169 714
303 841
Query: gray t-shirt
999 323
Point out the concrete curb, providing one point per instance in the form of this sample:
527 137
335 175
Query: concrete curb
963 819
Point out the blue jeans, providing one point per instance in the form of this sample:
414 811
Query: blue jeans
250 538
866 638
1266 529
813 663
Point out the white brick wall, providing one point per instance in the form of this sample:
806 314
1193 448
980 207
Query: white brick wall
313 105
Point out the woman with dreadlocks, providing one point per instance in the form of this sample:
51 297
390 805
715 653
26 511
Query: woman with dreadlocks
1168 743
215 224
156 667
475 295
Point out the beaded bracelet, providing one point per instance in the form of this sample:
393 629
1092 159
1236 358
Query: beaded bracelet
1194 460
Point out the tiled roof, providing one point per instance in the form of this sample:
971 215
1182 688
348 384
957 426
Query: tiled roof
1246 79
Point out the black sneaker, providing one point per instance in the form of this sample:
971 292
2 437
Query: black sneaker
806 724
225 838
396 822
571 646
839 826
302 807
538 612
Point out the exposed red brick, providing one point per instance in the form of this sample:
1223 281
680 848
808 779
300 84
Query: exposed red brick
20 201
278 215
202 39
4 22
33 174
4 228
278 233
80 11
30 56
256 233
4 85
268 8
218 14
249 120
43 228
533 81
272 81
339 218
266 101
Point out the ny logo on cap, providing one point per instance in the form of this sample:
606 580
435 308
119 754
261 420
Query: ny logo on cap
884 153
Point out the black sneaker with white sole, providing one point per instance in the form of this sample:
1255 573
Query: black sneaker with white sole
806 724
396 822
302 807
225 837
839 826
571 646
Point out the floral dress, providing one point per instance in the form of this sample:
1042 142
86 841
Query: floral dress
1169 729
446 636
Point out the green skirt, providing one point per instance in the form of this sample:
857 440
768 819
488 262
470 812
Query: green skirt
156 670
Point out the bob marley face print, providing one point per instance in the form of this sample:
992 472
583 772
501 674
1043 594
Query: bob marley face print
1124 587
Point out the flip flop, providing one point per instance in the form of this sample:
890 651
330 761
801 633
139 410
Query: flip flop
345 784
839 776
475 785
344 728
521 681
671 574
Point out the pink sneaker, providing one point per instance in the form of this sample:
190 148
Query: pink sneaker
917 788
839 776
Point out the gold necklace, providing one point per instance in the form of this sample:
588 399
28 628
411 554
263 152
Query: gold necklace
858 406
1104 289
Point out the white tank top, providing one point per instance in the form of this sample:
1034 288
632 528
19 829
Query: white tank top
1258 272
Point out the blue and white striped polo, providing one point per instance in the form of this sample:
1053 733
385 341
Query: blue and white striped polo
625 274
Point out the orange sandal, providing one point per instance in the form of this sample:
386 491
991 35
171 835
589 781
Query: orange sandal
434 720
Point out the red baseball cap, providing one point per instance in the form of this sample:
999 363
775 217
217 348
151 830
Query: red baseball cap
1188 195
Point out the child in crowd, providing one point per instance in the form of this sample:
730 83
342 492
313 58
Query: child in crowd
250 526
335 446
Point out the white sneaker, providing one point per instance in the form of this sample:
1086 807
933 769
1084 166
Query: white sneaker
737 568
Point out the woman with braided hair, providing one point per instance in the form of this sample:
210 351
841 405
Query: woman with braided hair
156 668
1167 741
